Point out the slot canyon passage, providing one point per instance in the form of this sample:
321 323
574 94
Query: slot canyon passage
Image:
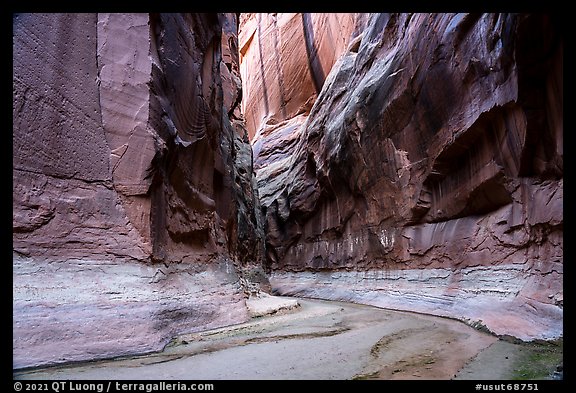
178 177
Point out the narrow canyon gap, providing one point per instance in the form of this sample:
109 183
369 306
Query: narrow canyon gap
165 165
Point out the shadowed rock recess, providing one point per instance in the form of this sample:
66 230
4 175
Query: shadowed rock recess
412 161
167 166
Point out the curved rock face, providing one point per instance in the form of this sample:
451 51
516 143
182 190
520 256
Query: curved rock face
427 175
133 183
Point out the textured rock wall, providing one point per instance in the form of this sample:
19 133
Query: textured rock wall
284 61
435 142
134 211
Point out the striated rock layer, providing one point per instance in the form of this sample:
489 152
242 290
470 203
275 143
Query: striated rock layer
430 153
134 206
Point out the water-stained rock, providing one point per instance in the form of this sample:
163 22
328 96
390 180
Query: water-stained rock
434 141
134 207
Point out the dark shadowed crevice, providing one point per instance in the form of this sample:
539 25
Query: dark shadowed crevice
538 53
278 67
316 70
262 74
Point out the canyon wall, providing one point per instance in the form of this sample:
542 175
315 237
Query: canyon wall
412 161
135 215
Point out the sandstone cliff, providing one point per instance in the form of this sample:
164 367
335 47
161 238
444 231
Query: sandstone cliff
412 161
134 211
409 161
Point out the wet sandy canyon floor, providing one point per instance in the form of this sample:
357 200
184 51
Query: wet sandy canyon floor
328 340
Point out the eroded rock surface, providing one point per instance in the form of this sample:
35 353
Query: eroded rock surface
284 61
134 211
434 142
